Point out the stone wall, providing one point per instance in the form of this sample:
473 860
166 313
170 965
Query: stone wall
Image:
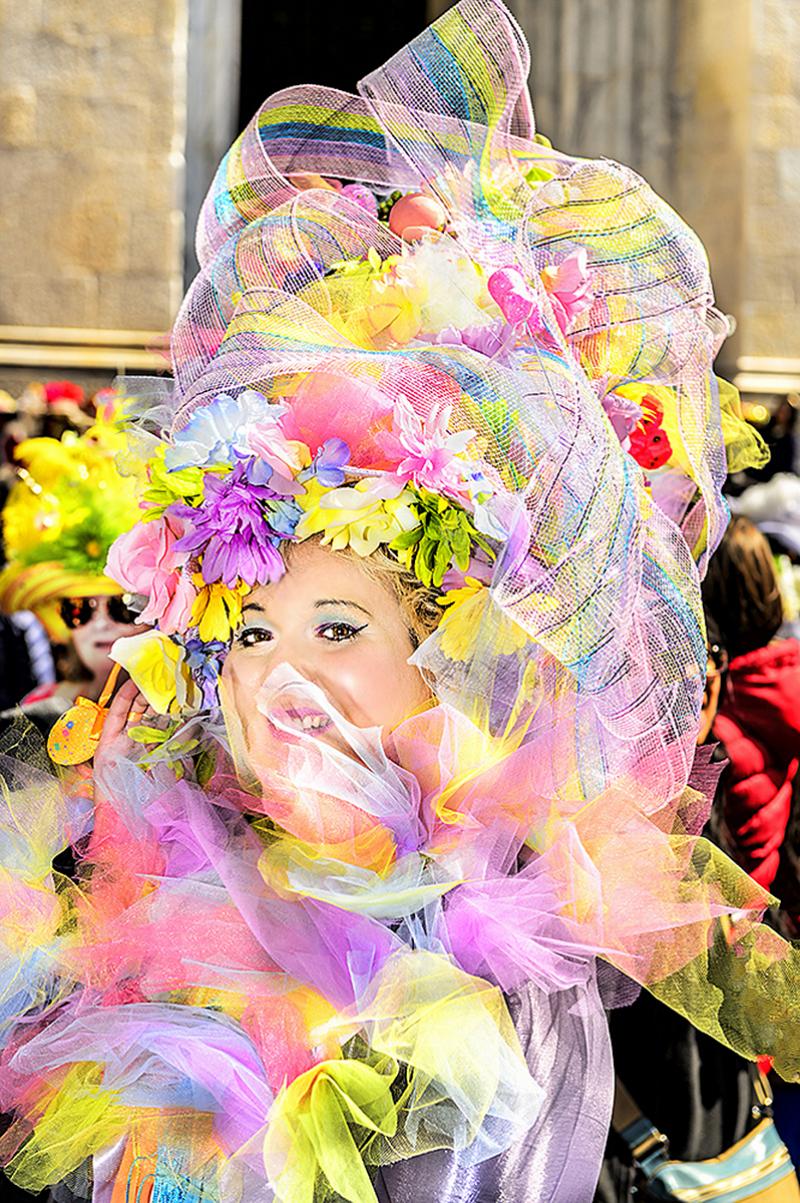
92 100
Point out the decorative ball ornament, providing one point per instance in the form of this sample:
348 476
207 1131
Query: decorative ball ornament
415 215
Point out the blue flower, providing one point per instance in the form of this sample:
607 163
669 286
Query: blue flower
328 464
217 432
283 515
204 661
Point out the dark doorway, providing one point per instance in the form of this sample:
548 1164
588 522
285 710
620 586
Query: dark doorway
309 42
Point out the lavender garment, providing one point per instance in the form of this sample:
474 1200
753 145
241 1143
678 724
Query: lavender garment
559 1159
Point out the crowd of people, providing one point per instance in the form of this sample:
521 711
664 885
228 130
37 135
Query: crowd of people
401 729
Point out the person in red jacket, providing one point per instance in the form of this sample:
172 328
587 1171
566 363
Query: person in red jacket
758 721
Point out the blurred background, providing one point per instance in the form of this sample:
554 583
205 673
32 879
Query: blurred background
114 115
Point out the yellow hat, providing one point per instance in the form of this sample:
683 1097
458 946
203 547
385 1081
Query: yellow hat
63 513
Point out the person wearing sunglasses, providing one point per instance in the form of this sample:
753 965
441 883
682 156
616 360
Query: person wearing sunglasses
67 506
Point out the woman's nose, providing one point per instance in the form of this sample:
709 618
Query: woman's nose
100 615
292 660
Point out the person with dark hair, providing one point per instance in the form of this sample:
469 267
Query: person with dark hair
758 724
694 1090
64 510
759 714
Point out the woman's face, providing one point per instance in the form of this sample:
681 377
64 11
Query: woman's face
93 639
339 627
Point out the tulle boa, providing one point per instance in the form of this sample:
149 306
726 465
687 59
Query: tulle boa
263 1017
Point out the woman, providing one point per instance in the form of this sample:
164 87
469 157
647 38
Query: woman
422 693
62 515
758 720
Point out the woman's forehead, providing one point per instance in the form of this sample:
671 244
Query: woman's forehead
315 574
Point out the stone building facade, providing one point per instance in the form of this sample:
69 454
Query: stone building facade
102 105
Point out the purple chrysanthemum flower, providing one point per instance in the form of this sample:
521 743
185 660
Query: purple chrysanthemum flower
231 530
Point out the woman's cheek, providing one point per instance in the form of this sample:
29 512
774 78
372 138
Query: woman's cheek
363 686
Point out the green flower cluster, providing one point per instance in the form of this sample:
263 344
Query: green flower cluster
446 534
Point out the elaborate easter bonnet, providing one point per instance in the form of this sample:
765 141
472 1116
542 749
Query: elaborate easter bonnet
65 510
382 976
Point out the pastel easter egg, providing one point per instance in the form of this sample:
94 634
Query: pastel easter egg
362 196
415 215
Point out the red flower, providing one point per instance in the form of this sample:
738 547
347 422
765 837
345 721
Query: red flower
649 444
63 390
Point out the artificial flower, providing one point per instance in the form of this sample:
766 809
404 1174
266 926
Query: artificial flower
443 536
217 431
286 457
649 443
425 452
623 413
520 306
450 286
393 313
157 665
329 464
362 197
145 560
457 595
204 661
569 288
355 516
478 572
165 487
231 530
217 610
490 340
463 624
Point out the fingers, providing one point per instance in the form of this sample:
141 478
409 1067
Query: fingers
139 710
128 708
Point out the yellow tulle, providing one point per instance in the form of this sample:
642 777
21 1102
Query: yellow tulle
744 446
318 1125
79 1119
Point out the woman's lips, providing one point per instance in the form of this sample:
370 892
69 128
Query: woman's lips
300 719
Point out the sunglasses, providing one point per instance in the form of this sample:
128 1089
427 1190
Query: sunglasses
78 611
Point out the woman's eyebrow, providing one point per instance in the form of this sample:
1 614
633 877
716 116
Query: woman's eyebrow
340 601
253 606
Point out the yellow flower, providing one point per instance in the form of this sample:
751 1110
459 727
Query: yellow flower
157 665
464 623
394 312
351 517
217 610
456 597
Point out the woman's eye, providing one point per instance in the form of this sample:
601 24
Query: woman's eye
338 632
253 635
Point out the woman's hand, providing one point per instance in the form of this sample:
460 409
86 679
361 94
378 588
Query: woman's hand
127 710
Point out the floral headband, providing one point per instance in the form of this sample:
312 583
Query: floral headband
239 480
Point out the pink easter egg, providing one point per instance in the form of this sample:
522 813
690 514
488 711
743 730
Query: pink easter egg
362 196
415 215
